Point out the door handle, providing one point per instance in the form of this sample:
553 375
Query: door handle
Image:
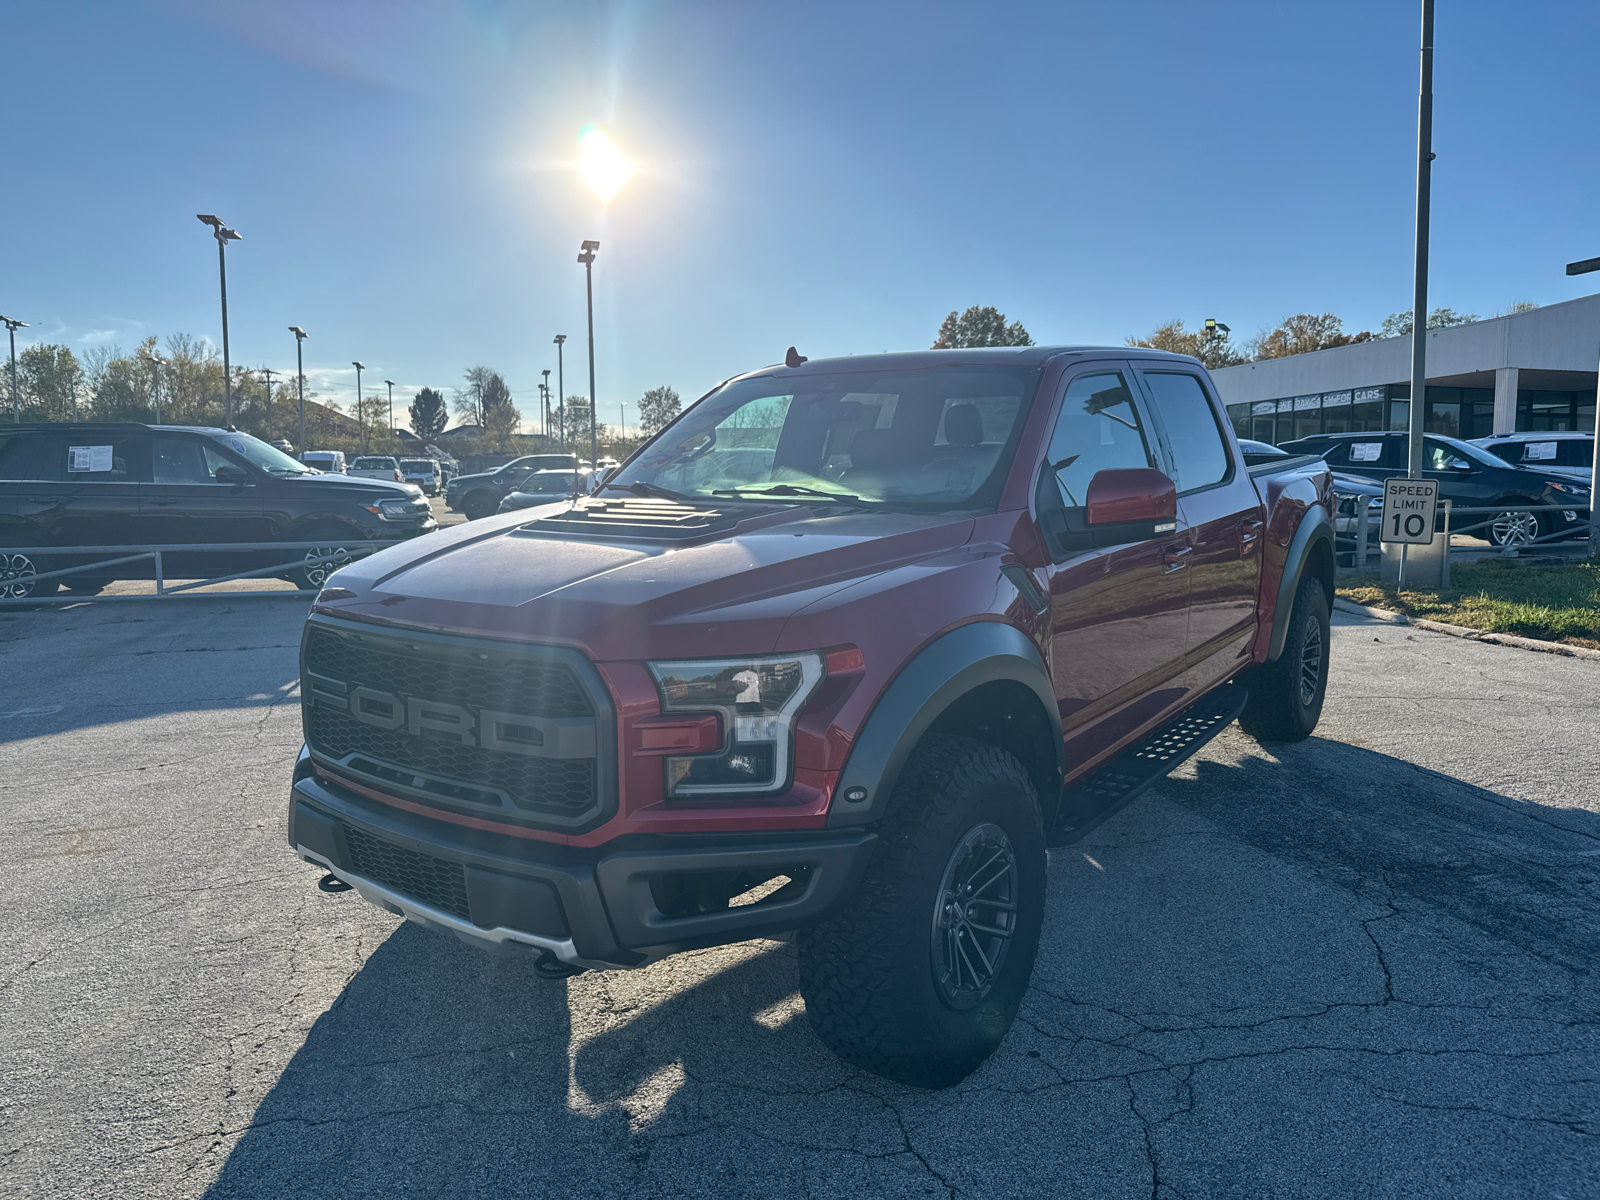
162 503
1248 533
1176 558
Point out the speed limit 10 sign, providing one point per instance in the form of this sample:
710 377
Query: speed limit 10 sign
1408 506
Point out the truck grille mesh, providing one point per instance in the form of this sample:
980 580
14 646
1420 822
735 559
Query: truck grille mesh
442 767
434 881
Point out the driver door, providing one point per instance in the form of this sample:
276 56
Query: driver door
1118 614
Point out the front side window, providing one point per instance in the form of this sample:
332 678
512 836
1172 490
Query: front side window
931 438
1199 455
1098 430
184 460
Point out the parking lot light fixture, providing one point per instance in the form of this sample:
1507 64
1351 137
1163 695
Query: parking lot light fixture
224 235
544 414
361 421
156 363
586 254
300 374
12 325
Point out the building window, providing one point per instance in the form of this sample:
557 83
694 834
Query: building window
1555 412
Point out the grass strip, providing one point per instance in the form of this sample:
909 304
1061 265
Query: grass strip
1553 603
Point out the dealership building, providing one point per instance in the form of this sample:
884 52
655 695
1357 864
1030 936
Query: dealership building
1534 371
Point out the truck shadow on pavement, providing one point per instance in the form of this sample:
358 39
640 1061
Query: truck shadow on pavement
1235 913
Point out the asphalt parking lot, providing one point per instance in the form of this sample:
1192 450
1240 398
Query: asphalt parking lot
1359 966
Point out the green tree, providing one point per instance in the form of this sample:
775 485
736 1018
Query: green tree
500 421
50 383
429 414
1303 333
575 412
985 326
1211 346
657 408
1399 324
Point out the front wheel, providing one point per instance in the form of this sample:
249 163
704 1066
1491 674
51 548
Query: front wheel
921 976
324 559
480 505
1286 695
17 577
1514 528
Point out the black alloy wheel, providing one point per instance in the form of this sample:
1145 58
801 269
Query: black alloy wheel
974 916
1286 694
479 505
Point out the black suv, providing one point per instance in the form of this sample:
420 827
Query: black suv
480 495
132 485
1469 477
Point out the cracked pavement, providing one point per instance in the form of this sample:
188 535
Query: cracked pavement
1358 966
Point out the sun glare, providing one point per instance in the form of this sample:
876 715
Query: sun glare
602 164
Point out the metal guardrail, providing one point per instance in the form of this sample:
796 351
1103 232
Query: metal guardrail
123 555
1448 511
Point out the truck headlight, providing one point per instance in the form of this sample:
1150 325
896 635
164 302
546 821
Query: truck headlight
758 699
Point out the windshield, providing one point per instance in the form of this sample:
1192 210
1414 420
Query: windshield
373 464
933 438
269 459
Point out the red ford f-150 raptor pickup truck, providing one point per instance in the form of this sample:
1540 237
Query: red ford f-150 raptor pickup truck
840 652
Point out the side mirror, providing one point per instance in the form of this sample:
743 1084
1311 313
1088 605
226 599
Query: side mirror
228 473
1135 496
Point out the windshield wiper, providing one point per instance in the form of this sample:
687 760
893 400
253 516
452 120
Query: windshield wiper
650 489
794 489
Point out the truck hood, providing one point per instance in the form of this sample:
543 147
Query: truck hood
623 597
352 486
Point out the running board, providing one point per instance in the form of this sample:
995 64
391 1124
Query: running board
1088 802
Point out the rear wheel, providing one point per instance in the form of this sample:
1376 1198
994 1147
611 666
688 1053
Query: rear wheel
921 976
1286 695
17 576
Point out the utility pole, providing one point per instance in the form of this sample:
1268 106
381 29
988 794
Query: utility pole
1583 268
1419 301
361 420
544 414
12 325
300 376
224 235
561 391
390 382
267 373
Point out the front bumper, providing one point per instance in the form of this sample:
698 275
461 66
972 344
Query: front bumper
598 908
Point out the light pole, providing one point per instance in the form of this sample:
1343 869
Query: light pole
155 360
300 375
622 429
361 420
561 392
390 382
12 325
1419 299
224 235
1583 268
586 255
544 414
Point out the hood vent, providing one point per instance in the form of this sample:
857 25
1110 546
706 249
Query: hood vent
633 520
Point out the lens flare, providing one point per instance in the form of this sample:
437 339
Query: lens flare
604 169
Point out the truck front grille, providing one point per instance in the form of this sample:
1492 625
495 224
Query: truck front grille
435 881
523 731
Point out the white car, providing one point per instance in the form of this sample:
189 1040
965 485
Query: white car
377 466
1566 455
329 462
424 472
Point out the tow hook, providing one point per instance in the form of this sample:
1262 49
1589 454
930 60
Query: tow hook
548 966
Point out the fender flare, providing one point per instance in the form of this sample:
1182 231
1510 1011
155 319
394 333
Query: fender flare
939 675
1315 528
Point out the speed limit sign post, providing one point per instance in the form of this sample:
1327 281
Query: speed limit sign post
1408 508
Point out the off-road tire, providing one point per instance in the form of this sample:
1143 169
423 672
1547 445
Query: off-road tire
479 505
1286 695
867 975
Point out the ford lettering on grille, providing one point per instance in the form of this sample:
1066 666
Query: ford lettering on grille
511 733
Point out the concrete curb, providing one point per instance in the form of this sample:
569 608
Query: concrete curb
1462 631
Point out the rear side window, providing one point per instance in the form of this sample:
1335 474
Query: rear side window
1575 452
1199 455
33 458
1098 430
102 458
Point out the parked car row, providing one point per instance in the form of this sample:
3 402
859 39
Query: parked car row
479 495
129 485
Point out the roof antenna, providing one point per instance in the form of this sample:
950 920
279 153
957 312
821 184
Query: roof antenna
793 358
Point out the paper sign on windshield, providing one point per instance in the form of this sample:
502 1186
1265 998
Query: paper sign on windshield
88 458
1366 451
1540 452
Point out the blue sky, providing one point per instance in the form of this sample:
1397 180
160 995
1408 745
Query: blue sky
837 176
